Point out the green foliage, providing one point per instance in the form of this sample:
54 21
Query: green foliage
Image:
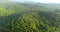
27 17
30 22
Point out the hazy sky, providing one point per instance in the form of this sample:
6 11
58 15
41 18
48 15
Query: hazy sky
41 1
47 1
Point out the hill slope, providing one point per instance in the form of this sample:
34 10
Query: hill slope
27 17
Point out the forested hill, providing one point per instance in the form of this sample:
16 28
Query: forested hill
29 17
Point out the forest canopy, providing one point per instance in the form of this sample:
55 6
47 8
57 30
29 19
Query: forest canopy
29 17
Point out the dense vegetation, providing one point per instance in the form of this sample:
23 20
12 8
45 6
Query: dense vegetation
29 17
